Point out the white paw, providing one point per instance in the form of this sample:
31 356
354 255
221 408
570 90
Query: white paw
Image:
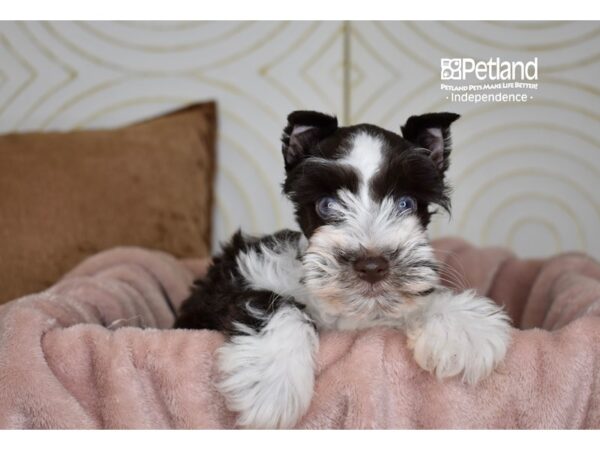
460 333
268 377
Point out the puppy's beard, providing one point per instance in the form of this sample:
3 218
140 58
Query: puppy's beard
379 229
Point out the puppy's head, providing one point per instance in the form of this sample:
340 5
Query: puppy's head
363 197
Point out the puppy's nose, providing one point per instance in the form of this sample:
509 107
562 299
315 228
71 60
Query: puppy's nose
372 268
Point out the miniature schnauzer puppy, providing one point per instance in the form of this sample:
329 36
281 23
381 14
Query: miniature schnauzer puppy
362 197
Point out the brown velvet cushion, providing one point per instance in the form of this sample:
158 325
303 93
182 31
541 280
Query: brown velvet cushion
65 196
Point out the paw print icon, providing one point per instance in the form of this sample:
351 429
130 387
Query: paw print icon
450 68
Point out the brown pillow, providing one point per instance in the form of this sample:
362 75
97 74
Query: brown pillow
65 196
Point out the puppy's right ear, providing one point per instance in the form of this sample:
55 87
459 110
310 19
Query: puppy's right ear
304 130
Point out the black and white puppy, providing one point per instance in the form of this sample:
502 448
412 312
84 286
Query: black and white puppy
362 198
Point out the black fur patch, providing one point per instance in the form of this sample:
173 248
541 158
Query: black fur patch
410 172
296 147
219 299
312 181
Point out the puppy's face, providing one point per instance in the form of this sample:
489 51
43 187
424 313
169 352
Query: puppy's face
363 198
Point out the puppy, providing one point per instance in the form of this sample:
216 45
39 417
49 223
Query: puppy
363 197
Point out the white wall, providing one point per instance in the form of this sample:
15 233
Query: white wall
525 176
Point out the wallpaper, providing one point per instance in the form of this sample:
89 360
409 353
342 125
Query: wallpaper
524 175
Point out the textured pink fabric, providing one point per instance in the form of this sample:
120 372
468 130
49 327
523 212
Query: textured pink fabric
95 351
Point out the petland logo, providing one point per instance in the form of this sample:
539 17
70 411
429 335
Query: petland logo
494 69
464 80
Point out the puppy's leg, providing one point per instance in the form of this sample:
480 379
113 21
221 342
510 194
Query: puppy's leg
454 333
268 375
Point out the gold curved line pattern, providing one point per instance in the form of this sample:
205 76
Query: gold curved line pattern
514 228
178 26
244 124
225 214
26 83
283 89
498 153
268 144
523 172
361 76
337 34
436 228
128 78
387 116
161 49
90 57
71 75
485 229
336 72
569 182
449 52
266 68
394 74
234 90
492 107
80 96
577 64
110 64
196 77
500 129
48 26
373 52
243 194
290 49
113 83
403 49
243 52
527 47
523 25
167 100
571 83
261 175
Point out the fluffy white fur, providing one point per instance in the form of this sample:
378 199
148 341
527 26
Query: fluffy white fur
277 270
458 333
268 376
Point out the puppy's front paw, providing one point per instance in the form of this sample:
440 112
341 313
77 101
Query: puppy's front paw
262 392
460 333
268 377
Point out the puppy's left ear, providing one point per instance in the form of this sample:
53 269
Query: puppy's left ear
432 132
303 133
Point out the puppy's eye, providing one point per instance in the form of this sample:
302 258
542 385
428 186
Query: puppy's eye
326 208
406 204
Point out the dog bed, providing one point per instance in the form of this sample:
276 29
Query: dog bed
95 351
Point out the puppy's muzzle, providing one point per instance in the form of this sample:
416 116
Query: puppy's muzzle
372 268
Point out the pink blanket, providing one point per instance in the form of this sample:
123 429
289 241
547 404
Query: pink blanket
95 351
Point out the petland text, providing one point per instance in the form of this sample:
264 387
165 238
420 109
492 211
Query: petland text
494 69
